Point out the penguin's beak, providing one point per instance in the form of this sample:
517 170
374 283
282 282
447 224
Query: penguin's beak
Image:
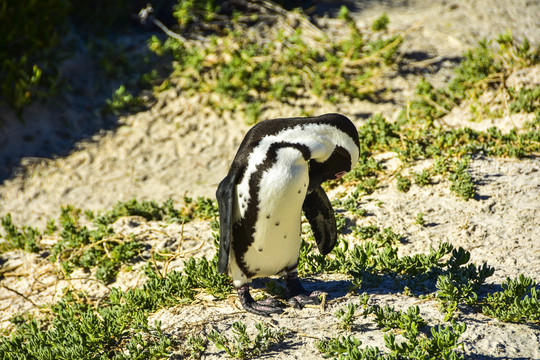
339 175
316 181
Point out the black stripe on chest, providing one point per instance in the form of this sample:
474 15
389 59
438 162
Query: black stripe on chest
244 229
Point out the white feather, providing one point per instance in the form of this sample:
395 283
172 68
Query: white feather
277 232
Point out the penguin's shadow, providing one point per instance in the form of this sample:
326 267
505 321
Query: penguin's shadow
372 284
333 288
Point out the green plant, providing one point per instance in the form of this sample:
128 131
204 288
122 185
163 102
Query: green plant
403 183
249 68
423 178
186 12
369 262
196 345
123 101
482 68
28 60
202 273
526 100
388 318
26 238
453 292
462 183
450 148
33 50
519 301
381 23
80 246
150 210
380 237
441 344
97 247
241 345
202 208
77 330
351 205
346 316
347 347
420 219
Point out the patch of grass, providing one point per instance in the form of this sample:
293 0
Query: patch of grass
80 246
441 344
200 208
380 237
249 68
462 183
525 100
187 12
351 205
97 247
381 23
28 60
196 345
25 238
150 210
517 302
403 183
241 346
415 136
123 101
371 261
203 274
346 316
77 330
423 178
388 318
450 148
483 67
118 327
32 51
176 287
458 282
420 219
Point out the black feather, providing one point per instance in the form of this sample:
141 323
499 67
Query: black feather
320 214
225 196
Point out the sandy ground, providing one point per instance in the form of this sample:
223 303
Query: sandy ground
182 146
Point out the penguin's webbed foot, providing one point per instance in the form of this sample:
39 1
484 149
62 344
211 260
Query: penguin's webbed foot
301 300
297 296
263 307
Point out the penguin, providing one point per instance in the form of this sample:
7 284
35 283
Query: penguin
276 174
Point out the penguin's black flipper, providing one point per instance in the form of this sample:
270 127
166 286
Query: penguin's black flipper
320 214
225 198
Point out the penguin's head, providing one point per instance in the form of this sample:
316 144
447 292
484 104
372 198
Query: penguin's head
333 168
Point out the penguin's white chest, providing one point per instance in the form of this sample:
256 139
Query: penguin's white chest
277 237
